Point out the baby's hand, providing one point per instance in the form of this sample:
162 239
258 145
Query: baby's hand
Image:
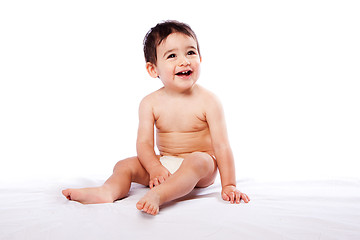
232 195
158 175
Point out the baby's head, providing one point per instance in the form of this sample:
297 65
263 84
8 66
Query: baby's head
159 33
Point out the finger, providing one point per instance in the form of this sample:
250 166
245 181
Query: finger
166 176
161 179
151 184
237 197
156 182
245 198
232 197
225 197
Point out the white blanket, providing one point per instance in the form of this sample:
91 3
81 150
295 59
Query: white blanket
278 210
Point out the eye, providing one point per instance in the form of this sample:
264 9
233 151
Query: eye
171 56
191 53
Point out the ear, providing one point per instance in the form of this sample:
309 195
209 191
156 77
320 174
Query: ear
200 59
151 69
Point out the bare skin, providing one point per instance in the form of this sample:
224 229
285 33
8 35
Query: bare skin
197 170
189 123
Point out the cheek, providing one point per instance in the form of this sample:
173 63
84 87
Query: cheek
164 70
167 68
197 66
196 62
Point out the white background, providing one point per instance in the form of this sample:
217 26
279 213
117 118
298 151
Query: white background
72 74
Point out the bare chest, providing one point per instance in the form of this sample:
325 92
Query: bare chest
180 118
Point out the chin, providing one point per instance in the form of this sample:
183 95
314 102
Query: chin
187 88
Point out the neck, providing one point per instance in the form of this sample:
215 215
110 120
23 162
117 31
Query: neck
179 93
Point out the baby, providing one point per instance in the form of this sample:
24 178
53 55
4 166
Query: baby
191 133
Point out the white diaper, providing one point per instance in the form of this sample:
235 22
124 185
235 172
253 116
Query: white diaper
171 163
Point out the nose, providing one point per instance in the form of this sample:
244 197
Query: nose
184 62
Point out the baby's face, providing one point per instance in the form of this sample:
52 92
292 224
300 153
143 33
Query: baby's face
178 62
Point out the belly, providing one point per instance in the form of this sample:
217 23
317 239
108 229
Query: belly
183 143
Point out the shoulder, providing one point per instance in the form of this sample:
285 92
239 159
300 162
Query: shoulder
212 107
209 98
150 99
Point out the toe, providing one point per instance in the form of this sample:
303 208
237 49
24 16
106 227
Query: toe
66 193
140 205
154 211
146 207
150 210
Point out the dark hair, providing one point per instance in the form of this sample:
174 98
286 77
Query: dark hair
160 32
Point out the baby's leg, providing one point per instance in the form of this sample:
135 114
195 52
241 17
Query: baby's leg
198 169
116 187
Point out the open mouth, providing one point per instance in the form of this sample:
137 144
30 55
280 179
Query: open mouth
184 73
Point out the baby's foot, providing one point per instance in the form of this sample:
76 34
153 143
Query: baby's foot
89 195
149 203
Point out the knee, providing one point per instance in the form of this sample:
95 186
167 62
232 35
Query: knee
122 165
201 162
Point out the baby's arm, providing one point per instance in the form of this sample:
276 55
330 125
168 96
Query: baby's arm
145 145
224 157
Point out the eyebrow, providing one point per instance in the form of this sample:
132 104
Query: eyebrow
174 49
171 50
